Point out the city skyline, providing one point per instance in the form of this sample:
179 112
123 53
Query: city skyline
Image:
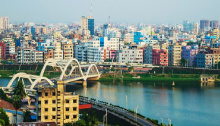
142 11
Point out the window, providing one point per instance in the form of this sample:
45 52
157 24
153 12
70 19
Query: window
54 94
54 101
39 102
53 117
46 102
74 108
45 117
46 94
67 109
74 101
74 116
67 117
67 101
53 109
46 109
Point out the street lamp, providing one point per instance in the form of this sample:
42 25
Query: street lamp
169 121
162 120
136 110
126 98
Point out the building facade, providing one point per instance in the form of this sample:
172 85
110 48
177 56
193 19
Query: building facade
56 105
29 56
174 54
160 57
189 53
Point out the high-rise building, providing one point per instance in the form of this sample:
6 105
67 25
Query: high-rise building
214 24
84 23
4 23
87 24
204 24
190 27
91 26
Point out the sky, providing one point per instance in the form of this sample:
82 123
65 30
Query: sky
120 11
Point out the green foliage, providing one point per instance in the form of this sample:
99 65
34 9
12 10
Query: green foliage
4 96
27 116
17 103
4 117
2 122
19 90
90 120
131 69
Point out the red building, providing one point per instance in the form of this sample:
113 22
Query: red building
160 57
2 50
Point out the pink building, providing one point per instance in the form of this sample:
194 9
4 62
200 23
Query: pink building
112 54
160 57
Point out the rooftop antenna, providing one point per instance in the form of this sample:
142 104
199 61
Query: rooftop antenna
91 10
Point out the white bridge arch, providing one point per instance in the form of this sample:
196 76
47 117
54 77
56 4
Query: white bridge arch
30 78
63 64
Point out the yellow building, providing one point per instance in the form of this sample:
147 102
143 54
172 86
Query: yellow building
215 32
56 105
175 54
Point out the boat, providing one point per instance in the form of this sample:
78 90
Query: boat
173 84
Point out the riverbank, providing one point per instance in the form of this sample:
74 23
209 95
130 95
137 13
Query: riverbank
149 77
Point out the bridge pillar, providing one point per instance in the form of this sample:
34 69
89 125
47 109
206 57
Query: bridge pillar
84 83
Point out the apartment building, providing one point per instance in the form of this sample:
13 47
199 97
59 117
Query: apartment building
129 38
58 53
67 50
189 53
175 54
48 54
3 50
147 59
29 55
204 60
130 55
84 53
56 105
160 57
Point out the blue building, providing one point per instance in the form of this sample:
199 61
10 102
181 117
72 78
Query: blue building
91 26
102 41
137 36
33 30
18 43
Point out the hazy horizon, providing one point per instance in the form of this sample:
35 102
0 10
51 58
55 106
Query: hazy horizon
121 11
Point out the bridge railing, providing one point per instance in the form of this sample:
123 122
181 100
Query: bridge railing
116 109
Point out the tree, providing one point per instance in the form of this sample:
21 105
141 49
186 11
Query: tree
131 69
17 103
2 122
90 120
4 117
19 90
27 116
183 61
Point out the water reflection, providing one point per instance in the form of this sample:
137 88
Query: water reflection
187 104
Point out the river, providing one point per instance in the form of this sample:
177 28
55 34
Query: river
186 104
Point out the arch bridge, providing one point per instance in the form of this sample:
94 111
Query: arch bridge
70 70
